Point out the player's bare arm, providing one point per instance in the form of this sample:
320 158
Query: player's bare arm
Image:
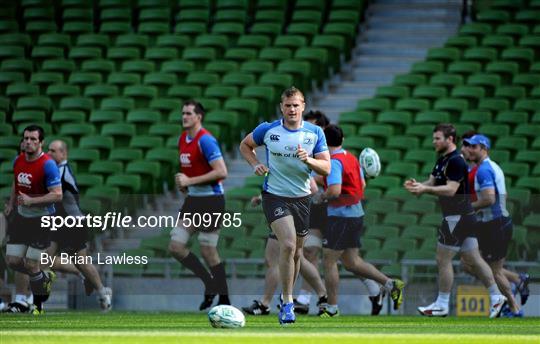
53 196
447 190
11 202
320 163
486 198
219 172
247 149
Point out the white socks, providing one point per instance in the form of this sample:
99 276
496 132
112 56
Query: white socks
373 287
304 297
443 300
389 285
21 298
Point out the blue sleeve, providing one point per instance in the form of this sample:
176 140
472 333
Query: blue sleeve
210 148
259 132
52 174
336 173
484 177
321 145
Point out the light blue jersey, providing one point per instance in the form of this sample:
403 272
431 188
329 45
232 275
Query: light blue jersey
336 177
288 176
490 176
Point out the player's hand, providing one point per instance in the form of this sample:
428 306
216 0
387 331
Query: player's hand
260 169
8 208
255 201
181 180
416 188
302 154
24 199
409 182
318 198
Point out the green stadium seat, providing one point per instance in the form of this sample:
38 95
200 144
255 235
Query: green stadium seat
392 92
512 118
356 144
279 81
420 155
418 232
523 56
431 220
412 105
373 104
480 54
28 116
335 46
218 42
475 29
125 154
231 30
103 144
83 157
165 130
356 117
54 40
433 117
493 104
399 245
444 55
446 80
529 156
403 142
399 120
106 167
385 182
265 96
461 42
410 80
103 67
178 67
80 79
430 93
42 79
100 117
300 70
427 67
498 41
527 16
500 155
489 81
403 169
511 143
382 232
465 68
455 106
515 169
121 132
221 66
382 207
531 183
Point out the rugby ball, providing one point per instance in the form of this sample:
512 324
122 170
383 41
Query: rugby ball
225 316
370 162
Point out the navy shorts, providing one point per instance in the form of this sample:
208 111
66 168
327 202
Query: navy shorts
212 205
494 237
276 207
318 216
463 229
343 232
28 231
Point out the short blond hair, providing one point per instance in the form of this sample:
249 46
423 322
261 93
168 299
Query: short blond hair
291 92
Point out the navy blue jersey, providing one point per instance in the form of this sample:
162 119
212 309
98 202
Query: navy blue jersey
452 167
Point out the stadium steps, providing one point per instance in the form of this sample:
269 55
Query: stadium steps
394 36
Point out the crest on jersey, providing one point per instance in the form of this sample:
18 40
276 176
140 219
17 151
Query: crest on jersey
278 211
24 179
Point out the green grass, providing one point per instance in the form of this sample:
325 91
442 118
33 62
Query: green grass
157 328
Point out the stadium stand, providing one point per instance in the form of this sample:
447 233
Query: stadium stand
109 79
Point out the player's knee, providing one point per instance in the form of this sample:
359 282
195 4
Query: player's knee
210 255
15 263
178 249
311 253
31 265
288 248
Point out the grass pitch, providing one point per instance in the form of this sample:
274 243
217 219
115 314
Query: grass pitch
157 328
